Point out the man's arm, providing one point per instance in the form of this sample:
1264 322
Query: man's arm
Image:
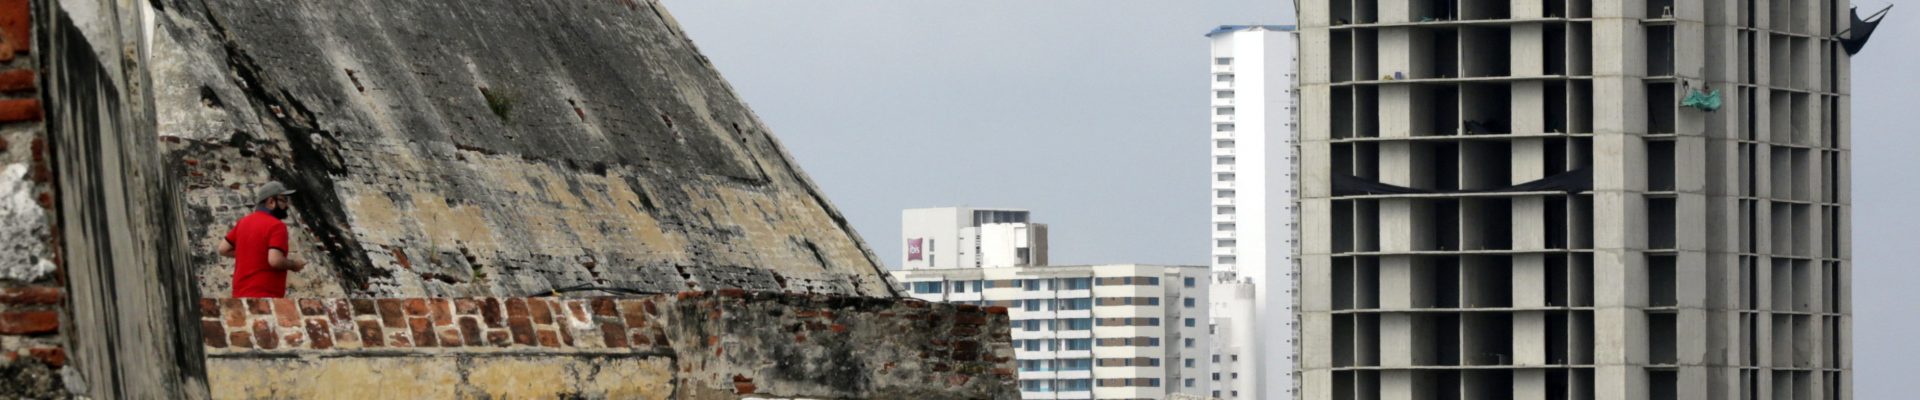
279 260
226 249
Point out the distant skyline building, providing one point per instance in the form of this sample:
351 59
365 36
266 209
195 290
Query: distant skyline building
1117 331
1251 141
966 237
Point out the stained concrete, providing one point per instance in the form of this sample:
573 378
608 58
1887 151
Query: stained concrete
488 148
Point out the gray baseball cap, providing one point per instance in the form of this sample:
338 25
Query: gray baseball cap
270 189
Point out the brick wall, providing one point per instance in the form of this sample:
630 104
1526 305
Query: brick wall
31 344
720 344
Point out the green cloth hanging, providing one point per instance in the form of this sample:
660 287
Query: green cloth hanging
1709 101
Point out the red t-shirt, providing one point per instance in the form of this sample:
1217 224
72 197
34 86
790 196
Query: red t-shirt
251 238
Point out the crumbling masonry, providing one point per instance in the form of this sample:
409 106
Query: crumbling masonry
500 199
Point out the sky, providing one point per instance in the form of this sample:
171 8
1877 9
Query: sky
1093 114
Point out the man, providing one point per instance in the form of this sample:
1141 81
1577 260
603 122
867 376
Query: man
258 246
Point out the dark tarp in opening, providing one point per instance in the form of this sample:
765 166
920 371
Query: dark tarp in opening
1577 180
1861 30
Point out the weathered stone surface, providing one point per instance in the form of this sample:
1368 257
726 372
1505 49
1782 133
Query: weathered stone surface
493 147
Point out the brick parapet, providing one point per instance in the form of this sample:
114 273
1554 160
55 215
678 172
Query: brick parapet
31 297
741 342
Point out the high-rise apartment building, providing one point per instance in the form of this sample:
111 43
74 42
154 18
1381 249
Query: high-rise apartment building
964 237
1575 199
1252 132
1090 331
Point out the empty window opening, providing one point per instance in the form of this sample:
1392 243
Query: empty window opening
1660 165
1487 109
1661 276
1484 51
1661 105
1659 50
1660 223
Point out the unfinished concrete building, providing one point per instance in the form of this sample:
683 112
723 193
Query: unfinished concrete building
1527 199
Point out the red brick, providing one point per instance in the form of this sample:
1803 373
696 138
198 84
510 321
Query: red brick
313 307
640 339
650 309
416 307
317 330
743 388
240 340
499 338
470 331
263 335
42 295
256 306
733 292
522 329
29 322
422 329
293 340
398 339
549 338
392 313
490 312
996 309
442 312
17 110
209 308
288 316
614 333
364 307
633 313
466 306
565 337
213 334
17 80
370 334
451 338
516 308
342 311
53 356
603 306
838 328
579 311
542 310
738 378
16 24
235 311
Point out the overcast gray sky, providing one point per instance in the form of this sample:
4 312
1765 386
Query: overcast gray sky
1092 113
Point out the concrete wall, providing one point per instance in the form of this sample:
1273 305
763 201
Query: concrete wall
693 345
487 148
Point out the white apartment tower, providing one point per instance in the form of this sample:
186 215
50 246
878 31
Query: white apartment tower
1252 142
964 237
1121 331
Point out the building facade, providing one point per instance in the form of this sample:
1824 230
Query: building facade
964 237
1575 200
1122 331
1252 141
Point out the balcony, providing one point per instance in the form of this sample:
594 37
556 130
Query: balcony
1223 69
1220 184
1222 119
1222 102
1222 167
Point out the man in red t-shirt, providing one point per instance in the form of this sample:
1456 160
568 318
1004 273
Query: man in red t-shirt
258 246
